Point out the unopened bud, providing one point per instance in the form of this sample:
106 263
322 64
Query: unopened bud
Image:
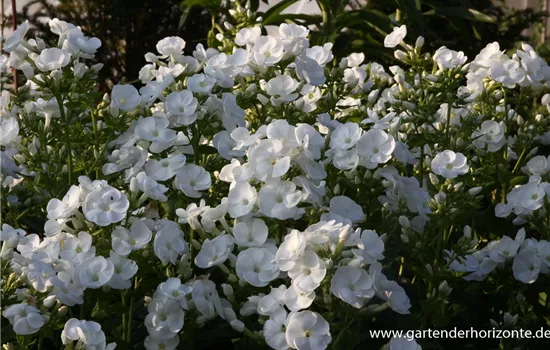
237 325
404 222
419 42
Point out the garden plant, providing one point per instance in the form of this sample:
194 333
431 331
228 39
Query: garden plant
264 194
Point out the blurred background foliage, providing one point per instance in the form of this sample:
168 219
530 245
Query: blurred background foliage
131 28
361 25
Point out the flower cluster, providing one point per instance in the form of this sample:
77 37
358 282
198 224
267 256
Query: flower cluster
265 186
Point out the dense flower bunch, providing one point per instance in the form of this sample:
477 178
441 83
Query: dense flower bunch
264 186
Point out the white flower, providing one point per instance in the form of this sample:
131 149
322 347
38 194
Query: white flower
124 270
241 199
279 200
307 330
503 249
165 319
267 51
250 232
353 285
309 70
282 89
402 344
125 241
296 299
539 165
449 164
320 54
25 319
257 266
165 344
169 244
105 205
88 335
214 252
77 43
275 330
345 136
272 302
490 134
371 247
191 179
375 147
125 97
206 298
11 237
266 160
164 169
200 83
62 209
308 272
150 187
294 38
18 35
347 208
95 272
156 131
77 249
247 36
173 289
396 37
449 59
395 295
526 266
183 105
52 59
172 45
290 250
9 129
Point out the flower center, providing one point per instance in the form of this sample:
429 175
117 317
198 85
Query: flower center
450 166
307 334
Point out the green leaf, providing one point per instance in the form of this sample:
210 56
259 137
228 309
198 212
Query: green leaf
207 4
270 15
373 18
205 149
462 12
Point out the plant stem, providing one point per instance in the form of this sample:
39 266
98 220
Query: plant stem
130 312
69 145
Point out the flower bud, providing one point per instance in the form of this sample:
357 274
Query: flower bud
237 325
232 278
467 232
419 42
227 290
444 288
373 96
404 238
434 179
475 190
62 311
545 99
400 55
49 301
336 190
404 222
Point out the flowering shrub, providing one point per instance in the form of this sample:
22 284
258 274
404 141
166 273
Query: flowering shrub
263 193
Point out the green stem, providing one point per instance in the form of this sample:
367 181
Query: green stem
69 145
130 312
448 127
